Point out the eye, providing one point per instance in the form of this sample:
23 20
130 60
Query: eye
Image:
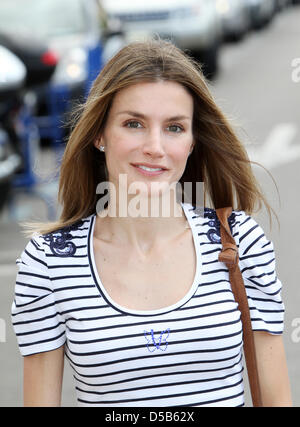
175 128
133 124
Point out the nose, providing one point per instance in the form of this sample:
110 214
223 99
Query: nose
153 144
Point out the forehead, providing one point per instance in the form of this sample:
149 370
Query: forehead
154 97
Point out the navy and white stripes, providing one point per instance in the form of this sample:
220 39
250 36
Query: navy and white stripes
186 354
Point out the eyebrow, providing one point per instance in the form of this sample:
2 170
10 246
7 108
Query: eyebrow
143 116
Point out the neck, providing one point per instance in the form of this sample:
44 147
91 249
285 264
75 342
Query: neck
141 228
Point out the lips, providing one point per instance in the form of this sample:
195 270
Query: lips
149 166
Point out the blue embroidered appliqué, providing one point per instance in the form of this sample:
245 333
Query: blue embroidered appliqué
213 233
157 344
60 244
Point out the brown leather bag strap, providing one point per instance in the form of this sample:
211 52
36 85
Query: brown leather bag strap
229 255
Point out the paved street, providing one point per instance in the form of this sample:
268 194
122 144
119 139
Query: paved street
259 89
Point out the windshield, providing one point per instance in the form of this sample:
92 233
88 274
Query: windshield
43 18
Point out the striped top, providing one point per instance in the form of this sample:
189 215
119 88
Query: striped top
187 354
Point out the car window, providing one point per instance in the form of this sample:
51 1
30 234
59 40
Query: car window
44 18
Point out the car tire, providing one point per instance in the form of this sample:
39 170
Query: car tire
5 188
209 59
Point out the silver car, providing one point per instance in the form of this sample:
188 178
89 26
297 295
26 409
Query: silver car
192 25
235 18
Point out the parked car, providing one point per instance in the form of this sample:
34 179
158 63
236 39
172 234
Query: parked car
235 18
39 60
12 80
192 25
282 4
77 38
261 12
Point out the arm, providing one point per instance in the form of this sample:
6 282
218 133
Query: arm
43 377
272 369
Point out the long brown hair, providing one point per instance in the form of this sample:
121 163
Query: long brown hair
218 159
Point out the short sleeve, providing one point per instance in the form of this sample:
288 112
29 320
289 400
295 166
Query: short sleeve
37 324
258 267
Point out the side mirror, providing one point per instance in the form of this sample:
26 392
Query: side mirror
39 61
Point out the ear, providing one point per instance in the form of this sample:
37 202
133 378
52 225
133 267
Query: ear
192 147
98 142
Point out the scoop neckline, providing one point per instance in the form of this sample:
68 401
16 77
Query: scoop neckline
163 310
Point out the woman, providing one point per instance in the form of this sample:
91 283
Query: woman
138 302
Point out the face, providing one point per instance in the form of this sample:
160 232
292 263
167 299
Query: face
148 134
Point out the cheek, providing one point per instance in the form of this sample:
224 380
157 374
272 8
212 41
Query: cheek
180 153
118 155
119 143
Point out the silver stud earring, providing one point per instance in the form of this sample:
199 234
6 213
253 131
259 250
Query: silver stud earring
101 148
